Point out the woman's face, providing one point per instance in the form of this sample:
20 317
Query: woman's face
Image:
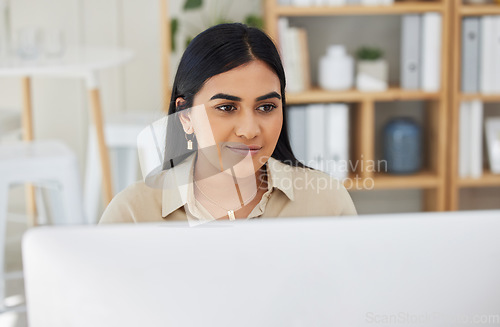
244 112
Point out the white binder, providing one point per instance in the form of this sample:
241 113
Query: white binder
316 135
431 51
470 54
410 52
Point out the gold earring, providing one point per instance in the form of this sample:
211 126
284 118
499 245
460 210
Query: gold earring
189 142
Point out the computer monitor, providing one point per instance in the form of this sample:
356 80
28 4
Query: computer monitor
430 269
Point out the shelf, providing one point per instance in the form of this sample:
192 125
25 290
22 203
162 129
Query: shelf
381 181
394 9
488 179
419 180
479 96
317 95
478 10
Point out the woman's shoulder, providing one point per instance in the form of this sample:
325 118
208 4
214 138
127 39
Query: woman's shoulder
316 181
314 187
302 177
136 201
138 192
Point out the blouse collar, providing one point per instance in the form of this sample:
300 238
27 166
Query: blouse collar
280 177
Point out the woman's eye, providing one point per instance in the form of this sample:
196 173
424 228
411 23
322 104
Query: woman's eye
226 108
267 107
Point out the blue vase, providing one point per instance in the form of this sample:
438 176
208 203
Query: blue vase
403 146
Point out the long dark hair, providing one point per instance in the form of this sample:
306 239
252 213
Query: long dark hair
214 51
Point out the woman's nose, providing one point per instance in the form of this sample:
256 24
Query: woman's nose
247 126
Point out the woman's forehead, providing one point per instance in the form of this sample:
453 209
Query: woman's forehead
248 81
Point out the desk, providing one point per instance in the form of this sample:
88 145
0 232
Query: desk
77 62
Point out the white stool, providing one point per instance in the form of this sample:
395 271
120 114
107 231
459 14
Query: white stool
38 162
121 133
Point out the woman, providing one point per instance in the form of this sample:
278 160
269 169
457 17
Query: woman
227 153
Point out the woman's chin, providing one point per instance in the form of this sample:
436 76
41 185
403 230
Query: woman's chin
236 162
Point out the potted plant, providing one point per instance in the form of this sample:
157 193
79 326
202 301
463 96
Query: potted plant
372 70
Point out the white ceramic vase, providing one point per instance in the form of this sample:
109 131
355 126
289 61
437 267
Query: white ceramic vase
372 75
336 69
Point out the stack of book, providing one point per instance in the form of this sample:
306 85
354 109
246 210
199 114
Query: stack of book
294 55
307 3
319 136
470 151
481 54
421 52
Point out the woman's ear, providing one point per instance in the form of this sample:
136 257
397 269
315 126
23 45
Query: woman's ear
184 116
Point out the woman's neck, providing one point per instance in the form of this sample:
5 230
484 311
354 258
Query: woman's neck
224 189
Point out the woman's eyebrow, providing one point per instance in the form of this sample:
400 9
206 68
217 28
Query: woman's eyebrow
268 96
225 96
235 98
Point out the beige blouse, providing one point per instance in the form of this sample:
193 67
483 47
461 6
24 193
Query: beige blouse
292 192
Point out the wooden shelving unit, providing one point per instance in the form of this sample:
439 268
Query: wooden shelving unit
487 180
479 96
317 95
433 179
477 10
383 181
455 183
395 9
424 180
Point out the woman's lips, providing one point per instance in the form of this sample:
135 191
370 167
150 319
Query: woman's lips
253 150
